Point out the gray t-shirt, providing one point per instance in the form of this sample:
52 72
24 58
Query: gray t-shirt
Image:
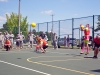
31 37
11 36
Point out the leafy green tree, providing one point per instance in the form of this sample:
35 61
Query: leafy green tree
12 24
98 24
48 35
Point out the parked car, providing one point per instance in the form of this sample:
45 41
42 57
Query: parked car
61 42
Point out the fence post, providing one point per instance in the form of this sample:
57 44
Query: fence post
93 28
30 27
72 31
47 27
38 28
59 28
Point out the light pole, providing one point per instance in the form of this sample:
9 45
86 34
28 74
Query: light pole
52 29
52 22
19 17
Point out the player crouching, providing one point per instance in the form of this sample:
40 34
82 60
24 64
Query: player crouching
7 44
41 44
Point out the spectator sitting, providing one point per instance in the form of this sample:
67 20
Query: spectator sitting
7 44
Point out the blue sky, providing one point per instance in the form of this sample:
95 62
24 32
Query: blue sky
39 11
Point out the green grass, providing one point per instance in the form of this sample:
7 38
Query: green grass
49 42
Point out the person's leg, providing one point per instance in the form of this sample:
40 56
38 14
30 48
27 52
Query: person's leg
41 47
87 46
68 44
31 43
45 47
11 43
96 50
6 47
83 47
87 49
54 44
9 47
0 44
20 44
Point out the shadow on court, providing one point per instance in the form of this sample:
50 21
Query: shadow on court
74 54
97 70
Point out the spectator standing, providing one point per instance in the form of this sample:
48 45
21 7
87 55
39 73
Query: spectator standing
11 38
31 39
42 35
55 41
65 41
68 41
21 39
1 40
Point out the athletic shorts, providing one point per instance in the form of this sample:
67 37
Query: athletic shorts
86 41
97 45
45 46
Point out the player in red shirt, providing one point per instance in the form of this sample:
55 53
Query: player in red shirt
44 44
96 43
7 44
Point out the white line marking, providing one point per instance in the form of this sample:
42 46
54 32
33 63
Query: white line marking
25 68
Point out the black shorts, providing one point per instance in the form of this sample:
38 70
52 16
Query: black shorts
45 46
97 45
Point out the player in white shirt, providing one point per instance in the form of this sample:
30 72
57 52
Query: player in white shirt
31 39
11 37
21 39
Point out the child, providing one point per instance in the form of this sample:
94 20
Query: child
7 44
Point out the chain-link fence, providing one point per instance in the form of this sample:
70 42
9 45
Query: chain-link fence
69 26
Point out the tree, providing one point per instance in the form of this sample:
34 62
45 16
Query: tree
98 24
48 35
12 24
34 31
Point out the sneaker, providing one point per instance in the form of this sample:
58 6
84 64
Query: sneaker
86 53
82 53
43 52
95 57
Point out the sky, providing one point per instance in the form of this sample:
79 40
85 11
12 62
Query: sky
39 11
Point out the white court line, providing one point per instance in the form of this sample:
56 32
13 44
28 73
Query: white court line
25 68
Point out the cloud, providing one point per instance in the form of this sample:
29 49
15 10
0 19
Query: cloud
47 12
3 0
2 19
